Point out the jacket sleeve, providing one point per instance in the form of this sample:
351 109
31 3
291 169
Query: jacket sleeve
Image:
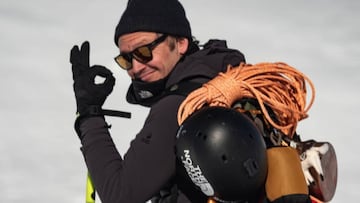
148 164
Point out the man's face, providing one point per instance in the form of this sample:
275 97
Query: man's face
165 55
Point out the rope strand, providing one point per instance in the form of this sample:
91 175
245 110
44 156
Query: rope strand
278 85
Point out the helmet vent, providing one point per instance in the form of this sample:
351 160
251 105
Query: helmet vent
224 158
251 135
252 167
201 135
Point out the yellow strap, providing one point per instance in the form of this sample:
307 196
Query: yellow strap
90 190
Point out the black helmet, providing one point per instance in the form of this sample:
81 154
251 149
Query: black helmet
223 153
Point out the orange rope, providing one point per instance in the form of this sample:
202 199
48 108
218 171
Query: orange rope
280 86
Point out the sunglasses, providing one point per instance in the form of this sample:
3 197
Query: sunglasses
142 54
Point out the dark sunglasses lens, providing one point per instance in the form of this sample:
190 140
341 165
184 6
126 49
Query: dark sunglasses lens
124 62
143 54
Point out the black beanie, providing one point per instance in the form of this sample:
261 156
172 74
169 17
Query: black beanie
161 16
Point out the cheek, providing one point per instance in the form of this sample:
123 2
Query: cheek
131 74
169 61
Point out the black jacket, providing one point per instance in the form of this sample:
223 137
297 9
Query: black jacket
148 169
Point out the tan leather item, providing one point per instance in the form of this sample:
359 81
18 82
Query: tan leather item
285 175
324 186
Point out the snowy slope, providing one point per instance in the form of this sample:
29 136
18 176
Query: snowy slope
40 159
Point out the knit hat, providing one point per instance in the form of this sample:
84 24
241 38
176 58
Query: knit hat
161 16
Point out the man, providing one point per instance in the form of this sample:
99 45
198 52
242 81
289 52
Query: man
158 52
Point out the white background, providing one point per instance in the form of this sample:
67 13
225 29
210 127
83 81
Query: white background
40 160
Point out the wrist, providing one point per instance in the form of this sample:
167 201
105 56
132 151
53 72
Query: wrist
89 110
80 119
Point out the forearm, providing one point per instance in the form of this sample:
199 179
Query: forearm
102 159
136 177
145 168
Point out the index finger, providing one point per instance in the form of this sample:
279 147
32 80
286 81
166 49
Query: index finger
80 56
85 54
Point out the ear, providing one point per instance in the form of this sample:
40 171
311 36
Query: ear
183 44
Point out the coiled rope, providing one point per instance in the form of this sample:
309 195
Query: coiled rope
278 85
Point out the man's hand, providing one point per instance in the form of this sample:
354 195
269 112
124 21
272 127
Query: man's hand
89 95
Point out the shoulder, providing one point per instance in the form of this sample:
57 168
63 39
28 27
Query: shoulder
167 104
206 63
218 47
215 54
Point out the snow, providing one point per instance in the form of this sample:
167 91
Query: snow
40 158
